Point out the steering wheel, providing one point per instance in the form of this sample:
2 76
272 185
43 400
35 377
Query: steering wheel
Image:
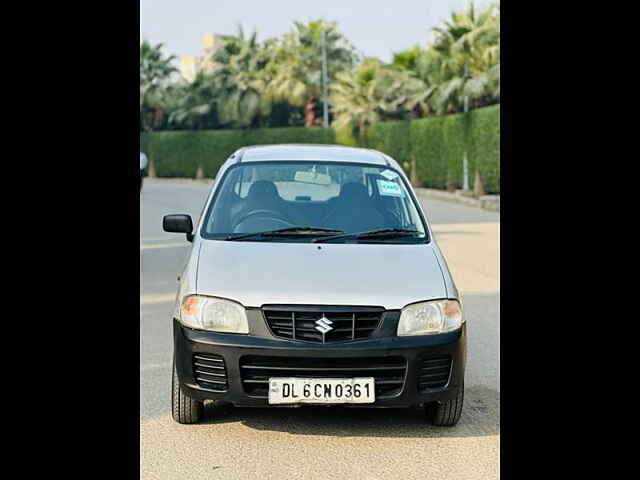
267 214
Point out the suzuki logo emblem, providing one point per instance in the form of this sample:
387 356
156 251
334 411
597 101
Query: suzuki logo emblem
324 325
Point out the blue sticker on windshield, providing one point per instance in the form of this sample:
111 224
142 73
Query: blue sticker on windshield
389 189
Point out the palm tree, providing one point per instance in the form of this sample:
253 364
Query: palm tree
194 105
407 60
239 77
464 60
373 92
296 64
155 72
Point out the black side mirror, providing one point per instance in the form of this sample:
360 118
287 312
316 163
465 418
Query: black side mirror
178 224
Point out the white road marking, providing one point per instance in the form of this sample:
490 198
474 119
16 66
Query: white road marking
150 299
163 245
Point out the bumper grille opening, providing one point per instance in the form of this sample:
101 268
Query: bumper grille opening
388 372
210 372
340 323
434 372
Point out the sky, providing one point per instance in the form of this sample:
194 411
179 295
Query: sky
375 27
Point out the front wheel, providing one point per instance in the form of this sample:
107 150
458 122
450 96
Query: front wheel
448 413
185 409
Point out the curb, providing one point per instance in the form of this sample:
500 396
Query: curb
486 202
204 181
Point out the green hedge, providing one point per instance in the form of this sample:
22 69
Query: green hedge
345 136
429 151
180 153
436 144
485 145
392 138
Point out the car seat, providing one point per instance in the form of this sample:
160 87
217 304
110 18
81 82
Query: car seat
353 210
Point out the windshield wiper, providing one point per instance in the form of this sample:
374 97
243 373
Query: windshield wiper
381 233
303 231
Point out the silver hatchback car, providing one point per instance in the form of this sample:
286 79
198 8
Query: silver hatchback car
314 278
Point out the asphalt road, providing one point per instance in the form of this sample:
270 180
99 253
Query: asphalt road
320 442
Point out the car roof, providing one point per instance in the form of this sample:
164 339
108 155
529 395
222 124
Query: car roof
325 153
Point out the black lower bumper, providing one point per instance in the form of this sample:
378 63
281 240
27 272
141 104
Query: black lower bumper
417 352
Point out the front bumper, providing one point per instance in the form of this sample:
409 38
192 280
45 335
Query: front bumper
189 342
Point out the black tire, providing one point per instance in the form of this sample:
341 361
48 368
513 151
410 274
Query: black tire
185 409
448 413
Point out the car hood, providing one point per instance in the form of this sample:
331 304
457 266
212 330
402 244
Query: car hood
258 273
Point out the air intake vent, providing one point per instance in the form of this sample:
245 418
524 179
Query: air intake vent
388 372
434 373
322 324
210 372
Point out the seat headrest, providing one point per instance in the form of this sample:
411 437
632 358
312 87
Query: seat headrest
354 191
263 189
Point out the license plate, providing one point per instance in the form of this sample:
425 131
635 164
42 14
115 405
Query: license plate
321 390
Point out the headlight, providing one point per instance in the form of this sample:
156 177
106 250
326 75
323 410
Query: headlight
429 318
214 314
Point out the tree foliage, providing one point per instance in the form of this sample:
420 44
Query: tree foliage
296 64
464 61
239 78
278 82
155 71
193 105
374 92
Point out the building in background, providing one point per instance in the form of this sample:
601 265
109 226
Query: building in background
189 67
192 64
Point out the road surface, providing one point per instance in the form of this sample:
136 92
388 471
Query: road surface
319 442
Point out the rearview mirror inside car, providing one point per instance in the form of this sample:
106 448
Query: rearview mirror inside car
178 224
312 177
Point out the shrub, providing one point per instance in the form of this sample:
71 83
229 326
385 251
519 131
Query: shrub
429 151
345 136
174 154
180 153
456 138
437 144
484 139
392 138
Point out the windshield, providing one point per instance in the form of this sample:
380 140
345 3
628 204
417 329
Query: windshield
308 197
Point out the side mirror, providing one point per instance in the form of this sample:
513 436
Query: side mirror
178 224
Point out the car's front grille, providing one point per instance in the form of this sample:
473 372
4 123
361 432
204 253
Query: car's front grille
389 372
210 372
434 372
322 324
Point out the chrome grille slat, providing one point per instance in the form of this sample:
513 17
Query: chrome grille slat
299 322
